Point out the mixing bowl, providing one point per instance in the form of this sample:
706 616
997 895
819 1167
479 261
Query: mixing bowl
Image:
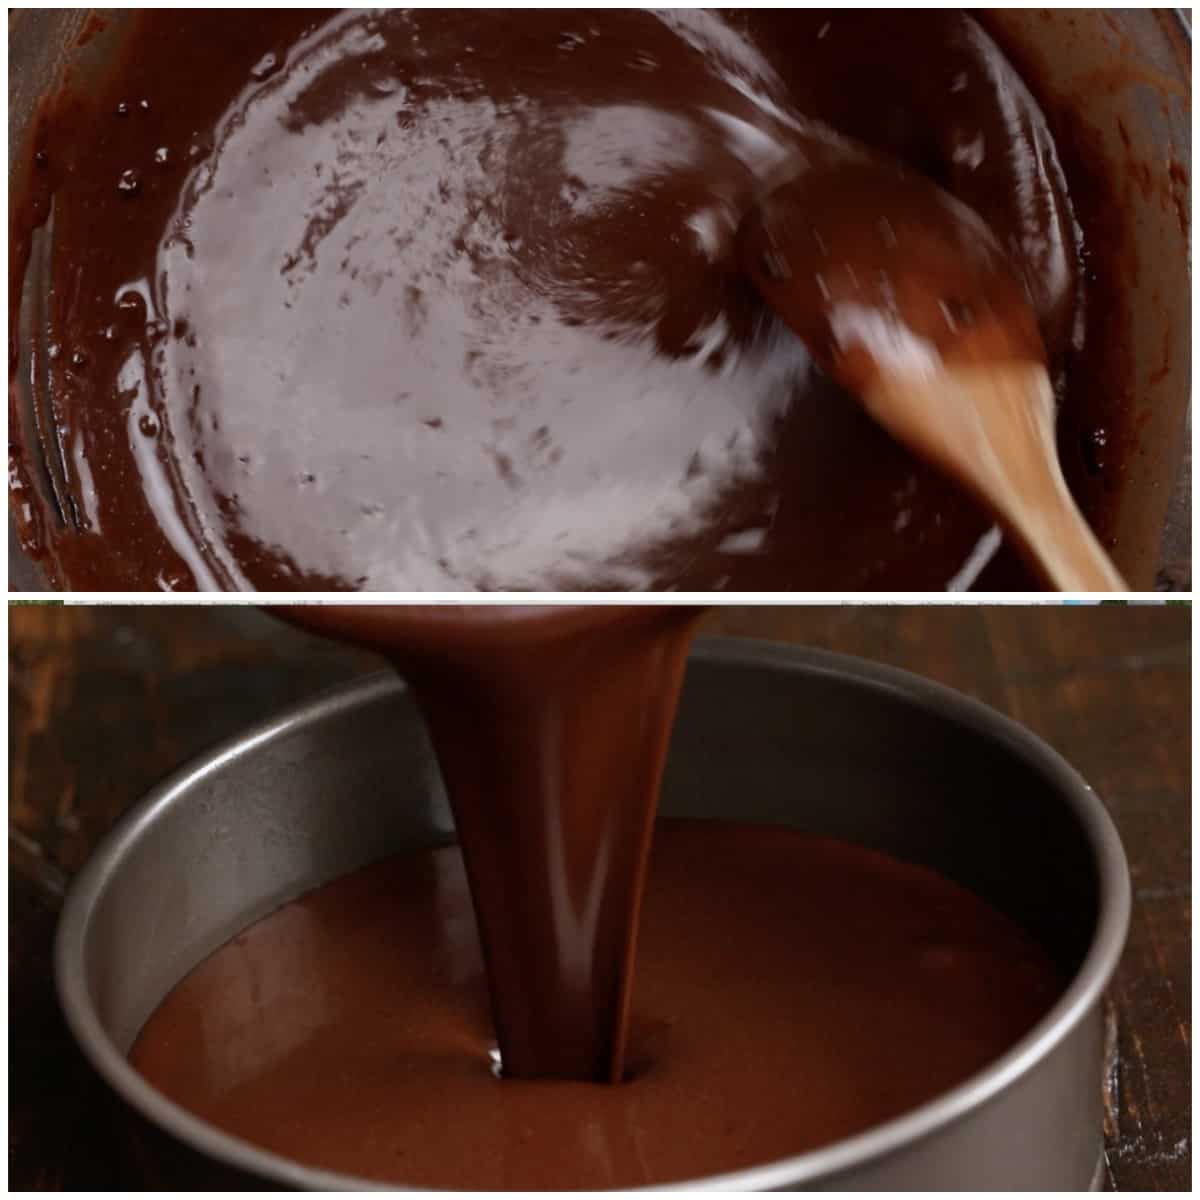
1116 86
823 743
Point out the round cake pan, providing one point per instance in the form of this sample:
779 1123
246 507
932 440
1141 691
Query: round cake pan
823 743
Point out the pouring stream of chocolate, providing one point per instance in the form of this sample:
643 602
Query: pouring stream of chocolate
551 726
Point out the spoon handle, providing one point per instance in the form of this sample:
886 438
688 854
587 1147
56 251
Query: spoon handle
991 425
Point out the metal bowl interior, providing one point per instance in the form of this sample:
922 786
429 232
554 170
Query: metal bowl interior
1124 75
765 734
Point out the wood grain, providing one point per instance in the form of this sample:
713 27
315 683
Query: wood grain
103 702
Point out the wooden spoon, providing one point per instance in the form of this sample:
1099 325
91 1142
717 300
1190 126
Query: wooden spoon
905 297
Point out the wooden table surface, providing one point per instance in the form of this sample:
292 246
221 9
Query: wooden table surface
105 701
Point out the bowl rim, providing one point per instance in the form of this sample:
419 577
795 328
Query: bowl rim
1080 997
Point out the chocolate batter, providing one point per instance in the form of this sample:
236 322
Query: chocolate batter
551 728
791 991
448 299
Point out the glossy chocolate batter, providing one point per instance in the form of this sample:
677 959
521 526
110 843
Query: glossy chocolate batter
551 728
791 991
448 299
